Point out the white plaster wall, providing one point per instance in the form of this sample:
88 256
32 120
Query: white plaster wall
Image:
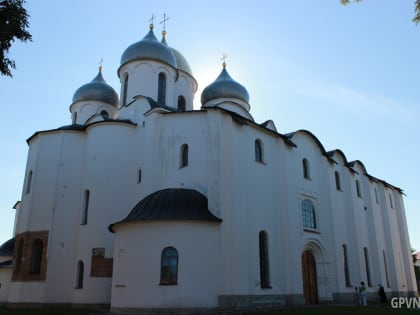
64 224
37 205
255 208
343 224
137 270
26 292
175 130
249 196
110 175
315 189
5 278
185 86
134 112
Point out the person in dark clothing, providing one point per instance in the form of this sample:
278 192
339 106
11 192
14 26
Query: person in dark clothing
381 293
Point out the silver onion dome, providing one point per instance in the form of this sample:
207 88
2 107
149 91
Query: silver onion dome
149 48
181 62
224 87
97 90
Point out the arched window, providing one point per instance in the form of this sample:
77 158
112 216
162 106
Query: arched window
125 87
358 191
162 88
104 114
337 181
29 182
184 155
181 103
264 262
308 214
346 266
306 169
85 209
80 274
19 255
36 257
169 266
367 266
74 117
258 151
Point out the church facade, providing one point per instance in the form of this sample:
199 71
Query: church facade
144 203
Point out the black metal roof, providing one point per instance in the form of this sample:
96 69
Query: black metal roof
6 249
6 264
77 127
171 204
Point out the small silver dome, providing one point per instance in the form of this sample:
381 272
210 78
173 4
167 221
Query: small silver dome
181 62
149 48
97 90
224 87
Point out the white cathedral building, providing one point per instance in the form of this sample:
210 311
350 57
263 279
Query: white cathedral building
143 203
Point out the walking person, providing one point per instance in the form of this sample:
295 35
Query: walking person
357 295
363 292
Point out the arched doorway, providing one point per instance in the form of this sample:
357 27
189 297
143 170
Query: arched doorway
309 278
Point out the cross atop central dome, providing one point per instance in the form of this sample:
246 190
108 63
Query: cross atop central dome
149 48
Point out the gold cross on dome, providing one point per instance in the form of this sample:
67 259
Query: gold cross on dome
100 64
224 56
151 20
164 21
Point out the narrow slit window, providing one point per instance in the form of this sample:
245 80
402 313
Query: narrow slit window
391 202
85 209
162 88
337 181
367 266
36 257
181 103
346 266
184 156
306 170
19 256
358 191
264 262
258 151
80 274
125 87
386 270
29 182
139 176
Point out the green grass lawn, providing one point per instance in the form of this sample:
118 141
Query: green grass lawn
341 310
321 310
39 311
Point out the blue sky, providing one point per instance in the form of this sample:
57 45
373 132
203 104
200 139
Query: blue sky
347 74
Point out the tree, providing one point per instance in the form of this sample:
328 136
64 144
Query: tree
416 18
13 24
